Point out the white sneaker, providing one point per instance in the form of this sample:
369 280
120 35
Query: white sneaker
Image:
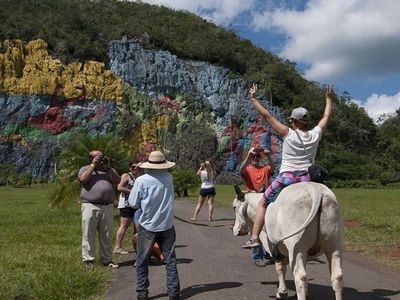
111 265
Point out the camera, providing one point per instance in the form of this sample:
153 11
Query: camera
104 159
258 152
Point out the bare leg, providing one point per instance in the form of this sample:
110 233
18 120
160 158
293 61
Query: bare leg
210 207
123 227
198 207
259 219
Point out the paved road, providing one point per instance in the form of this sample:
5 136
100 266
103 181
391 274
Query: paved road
213 266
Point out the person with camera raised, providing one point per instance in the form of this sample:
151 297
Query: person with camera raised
207 189
255 172
97 194
299 149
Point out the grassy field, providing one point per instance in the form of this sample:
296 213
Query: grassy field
40 246
40 250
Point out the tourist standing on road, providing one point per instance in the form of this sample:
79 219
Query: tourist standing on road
295 160
127 213
97 195
153 192
207 190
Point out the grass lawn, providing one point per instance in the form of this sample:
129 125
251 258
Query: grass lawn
41 251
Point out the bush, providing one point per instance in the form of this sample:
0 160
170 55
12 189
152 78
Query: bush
184 180
354 183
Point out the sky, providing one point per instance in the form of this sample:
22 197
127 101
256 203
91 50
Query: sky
353 44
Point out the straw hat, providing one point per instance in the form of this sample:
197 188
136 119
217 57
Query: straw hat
157 161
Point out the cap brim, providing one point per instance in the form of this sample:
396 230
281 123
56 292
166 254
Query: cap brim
165 165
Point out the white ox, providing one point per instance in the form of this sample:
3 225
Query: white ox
303 222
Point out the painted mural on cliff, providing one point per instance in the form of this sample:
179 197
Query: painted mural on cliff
39 91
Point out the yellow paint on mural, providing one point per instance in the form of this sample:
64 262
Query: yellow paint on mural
29 69
149 132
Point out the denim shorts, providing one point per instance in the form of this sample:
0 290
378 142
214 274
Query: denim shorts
207 192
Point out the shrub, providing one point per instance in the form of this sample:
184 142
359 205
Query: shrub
184 180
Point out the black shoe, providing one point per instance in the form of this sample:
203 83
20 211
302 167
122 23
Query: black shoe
142 297
177 297
89 263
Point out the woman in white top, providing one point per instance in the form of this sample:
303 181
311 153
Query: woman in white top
207 190
295 159
126 212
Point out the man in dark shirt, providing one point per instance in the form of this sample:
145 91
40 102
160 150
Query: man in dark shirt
97 195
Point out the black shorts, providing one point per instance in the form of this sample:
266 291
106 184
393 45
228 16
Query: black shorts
207 192
127 212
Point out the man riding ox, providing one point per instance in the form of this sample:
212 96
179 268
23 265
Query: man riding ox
303 222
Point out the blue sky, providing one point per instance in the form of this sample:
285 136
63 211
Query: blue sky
354 44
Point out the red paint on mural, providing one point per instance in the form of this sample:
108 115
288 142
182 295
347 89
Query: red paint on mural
53 120
169 103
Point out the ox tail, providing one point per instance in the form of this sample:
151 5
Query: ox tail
316 198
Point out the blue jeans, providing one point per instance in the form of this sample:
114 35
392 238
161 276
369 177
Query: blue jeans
259 253
166 241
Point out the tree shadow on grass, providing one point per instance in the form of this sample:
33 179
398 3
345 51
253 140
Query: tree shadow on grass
194 290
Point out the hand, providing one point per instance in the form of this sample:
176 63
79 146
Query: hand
253 90
96 160
329 92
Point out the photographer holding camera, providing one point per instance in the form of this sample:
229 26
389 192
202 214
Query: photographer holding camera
207 190
255 173
97 194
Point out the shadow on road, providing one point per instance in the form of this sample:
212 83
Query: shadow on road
208 224
202 288
316 291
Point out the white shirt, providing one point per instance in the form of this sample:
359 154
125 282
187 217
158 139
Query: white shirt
294 158
205 183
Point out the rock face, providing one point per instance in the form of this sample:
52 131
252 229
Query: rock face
40 93
38 158
160 73
96 116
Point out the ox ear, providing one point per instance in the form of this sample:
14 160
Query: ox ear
239 193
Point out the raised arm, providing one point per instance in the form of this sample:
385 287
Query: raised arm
328 107
246 160
281 129
200 169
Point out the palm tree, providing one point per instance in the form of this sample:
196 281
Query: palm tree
75 154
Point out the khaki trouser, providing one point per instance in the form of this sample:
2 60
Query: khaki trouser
97 218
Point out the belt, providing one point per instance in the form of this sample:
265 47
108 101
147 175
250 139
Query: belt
101 203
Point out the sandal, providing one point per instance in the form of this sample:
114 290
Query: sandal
251 244
120 251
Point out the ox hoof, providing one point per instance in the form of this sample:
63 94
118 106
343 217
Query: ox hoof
282 295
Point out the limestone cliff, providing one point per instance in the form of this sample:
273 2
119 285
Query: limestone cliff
29 69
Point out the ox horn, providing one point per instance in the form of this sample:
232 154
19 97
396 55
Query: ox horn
239 193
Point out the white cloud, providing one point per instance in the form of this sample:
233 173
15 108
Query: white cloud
376 105
341 38
222 12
